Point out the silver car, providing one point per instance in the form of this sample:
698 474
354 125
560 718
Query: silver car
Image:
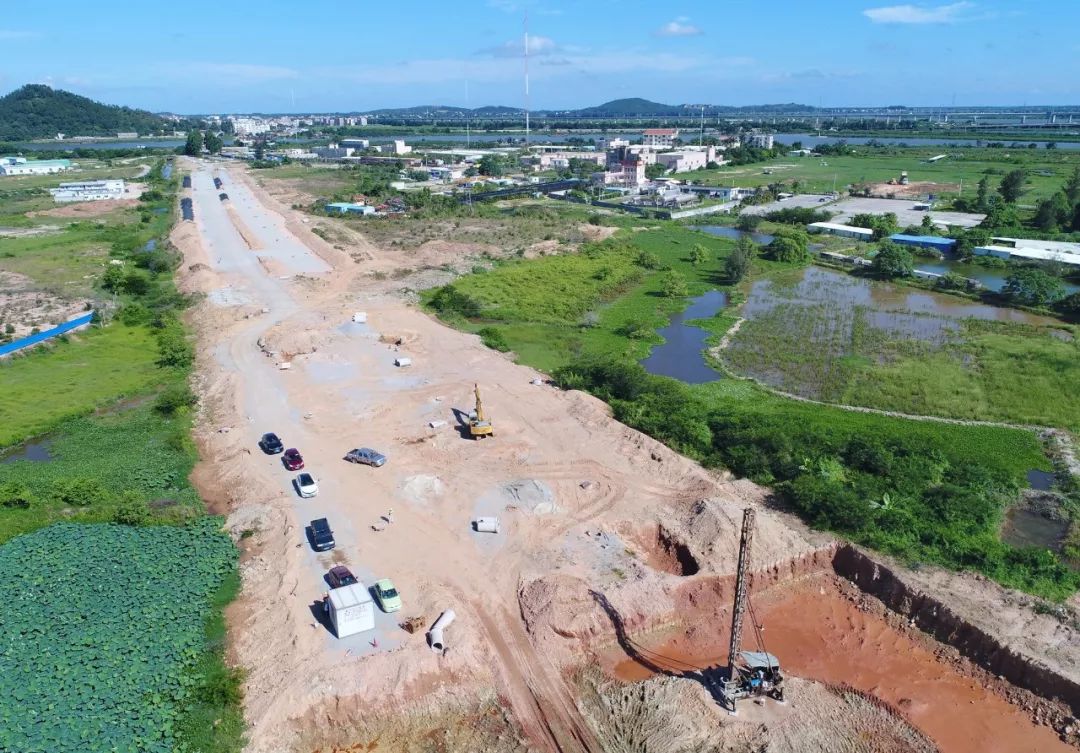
367 456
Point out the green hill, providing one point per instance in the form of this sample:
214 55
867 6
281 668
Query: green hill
631 106
37 111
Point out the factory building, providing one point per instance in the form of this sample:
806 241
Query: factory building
845 231
22 166
88 190
944 245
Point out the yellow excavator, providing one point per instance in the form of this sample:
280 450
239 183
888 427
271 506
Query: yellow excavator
479 427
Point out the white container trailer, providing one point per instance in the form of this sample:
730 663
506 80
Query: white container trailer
351 610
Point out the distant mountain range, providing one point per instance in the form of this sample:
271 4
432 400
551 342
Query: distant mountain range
37 111
632 107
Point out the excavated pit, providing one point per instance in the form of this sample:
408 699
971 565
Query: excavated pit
841 618
664 551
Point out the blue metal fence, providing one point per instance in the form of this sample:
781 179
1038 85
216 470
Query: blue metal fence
11 347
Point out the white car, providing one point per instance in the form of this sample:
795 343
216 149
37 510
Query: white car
305 485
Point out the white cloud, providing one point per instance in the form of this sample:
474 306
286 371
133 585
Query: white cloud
680 27
240 73
493 69
9 35
538 45
920 14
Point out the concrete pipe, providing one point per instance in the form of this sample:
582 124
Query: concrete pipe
487 525
435 635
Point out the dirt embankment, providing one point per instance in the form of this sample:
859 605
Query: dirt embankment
903 595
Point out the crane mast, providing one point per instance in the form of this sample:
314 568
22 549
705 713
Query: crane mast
741 587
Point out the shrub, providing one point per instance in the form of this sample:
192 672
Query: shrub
673 285
449 300
789 246
174 398
647 260
81 492
15 495
892 261
494 339
132 510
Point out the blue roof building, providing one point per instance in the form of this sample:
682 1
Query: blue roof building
925 241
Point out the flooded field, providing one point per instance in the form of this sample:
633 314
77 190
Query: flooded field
809 332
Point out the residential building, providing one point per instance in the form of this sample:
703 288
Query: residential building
249 126
661 138
560 160
758 140
89 190
446 173
614 142
628 173
846 231
683 161
22 166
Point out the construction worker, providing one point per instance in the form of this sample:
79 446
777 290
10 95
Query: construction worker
390 516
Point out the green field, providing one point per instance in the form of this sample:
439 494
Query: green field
878 165
925 492
94 368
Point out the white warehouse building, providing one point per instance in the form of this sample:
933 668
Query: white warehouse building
89 190
846 231
22 166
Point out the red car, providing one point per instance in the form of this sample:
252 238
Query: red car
292 459
340 576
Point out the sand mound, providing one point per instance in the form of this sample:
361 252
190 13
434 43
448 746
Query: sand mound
422 488
679 715
294 340
530 495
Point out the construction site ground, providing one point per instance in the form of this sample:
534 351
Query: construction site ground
610 542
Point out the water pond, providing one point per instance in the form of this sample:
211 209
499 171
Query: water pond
35 452
681 354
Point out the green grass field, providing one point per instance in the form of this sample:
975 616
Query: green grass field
94 368
878 165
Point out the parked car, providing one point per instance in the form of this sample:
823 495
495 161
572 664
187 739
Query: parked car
270 444
292 459
340 576
306 485
322 538
387 596
367 456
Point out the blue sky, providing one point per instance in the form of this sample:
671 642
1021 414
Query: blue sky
198 56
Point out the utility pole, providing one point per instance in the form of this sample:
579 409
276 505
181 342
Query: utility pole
526 79
741 587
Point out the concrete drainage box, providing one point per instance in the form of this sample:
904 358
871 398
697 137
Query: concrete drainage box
351 610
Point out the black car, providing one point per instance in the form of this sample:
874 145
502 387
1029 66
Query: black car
270 444
322 538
